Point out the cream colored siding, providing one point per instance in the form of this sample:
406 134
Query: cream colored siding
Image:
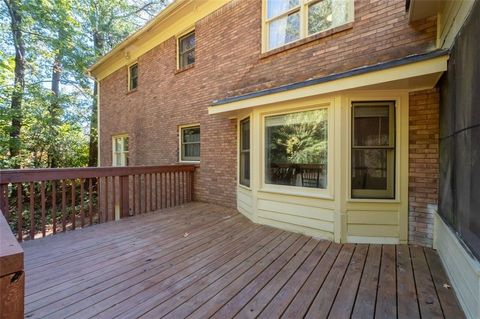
462 269
244 201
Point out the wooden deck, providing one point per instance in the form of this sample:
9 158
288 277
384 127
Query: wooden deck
202 261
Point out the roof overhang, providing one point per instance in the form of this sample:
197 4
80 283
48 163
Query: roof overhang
420 9
412 73
176 18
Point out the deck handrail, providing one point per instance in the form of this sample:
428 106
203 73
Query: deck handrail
57 199
12 277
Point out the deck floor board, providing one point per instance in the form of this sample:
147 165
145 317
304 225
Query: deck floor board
201 260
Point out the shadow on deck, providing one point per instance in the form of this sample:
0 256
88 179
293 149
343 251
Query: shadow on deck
202 260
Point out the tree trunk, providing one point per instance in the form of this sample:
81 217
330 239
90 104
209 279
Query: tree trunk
54 109
19 82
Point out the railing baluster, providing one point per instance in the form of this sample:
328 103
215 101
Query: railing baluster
32 210
156 191
4 201
151 191
42 203
82 202
90 203
74 199
19 212
54 207
64 206
114 198
106 199
174 188
134 196
97 196
145 192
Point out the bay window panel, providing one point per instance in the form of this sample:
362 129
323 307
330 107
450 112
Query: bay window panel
245 152
284 30
373 150
296 149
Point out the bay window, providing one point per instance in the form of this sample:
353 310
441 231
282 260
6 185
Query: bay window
289 20
296 149
373 150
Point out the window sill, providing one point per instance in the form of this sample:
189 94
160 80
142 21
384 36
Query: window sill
132 91
244 187
301 192
373 200
306 40
185 68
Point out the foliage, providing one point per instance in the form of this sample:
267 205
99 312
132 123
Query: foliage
298 138
62 39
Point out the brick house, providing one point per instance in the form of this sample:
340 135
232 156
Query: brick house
319 117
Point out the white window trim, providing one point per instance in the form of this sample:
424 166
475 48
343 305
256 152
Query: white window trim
326 193
303 22
178 38
180 142
114 153
240 119
129 89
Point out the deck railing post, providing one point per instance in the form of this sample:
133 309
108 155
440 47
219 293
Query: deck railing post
4 200
12 277
124 197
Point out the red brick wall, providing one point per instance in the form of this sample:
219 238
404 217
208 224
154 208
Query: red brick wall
228 62
424 164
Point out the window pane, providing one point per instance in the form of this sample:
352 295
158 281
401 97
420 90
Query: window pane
371 126
191 135
296 149
284 30
187 58
134 71
370 169
187 42
125 144
118 159
327 14
191 150
277 7
118 145
245 152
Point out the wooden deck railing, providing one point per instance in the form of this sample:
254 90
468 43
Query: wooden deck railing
12 277
39 202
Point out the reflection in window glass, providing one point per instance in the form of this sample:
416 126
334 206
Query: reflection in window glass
296 149
284 30
277 7
327 14
373 150
120 151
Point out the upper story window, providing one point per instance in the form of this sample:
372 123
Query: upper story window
133 77
373 150
120 150
186 50
287 21
190 144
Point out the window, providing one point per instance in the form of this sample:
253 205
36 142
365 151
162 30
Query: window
296 149
245 152
373 150
190 144
133 77
186 50
291 20
120 150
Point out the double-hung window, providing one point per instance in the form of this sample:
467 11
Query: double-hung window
133 77
120 150
186 50
245 152
296 149
190 144
373 150
289 20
